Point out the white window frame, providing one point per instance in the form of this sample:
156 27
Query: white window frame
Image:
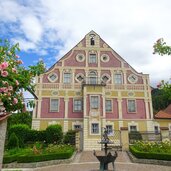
92 58
109 131
118 80
98 131
67 80
106 105
128 107
51 74
95 107
75 125
51 108
74 107
133 126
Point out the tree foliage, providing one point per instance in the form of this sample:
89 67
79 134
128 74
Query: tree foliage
163 97
161 48
14 77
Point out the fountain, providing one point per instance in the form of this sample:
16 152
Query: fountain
108 157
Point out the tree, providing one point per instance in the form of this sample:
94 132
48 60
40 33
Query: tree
14 78
161 48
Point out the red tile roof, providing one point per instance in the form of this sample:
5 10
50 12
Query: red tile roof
164 114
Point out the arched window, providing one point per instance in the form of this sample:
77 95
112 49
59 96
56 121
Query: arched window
92 42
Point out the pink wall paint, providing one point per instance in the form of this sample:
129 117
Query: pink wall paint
45 76
71 61
140 113
113 61
140 80
71 113
45 109
114 114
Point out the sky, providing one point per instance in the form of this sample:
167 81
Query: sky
48 29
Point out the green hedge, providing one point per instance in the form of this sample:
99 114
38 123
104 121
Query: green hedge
43 157
9 159
145 155
37 158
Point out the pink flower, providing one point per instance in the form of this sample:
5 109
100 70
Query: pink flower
16 82
15 101
5 83
14 70
16 56
4 65
4 73
10 88
3 90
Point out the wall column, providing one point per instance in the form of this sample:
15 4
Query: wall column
66 107
124 138
39 108
3 127
120 108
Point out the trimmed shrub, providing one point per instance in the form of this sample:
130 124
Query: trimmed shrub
9 159
21 131
44 157
13 141
149 155
69 137
54 134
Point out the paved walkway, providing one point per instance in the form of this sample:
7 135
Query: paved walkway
86 161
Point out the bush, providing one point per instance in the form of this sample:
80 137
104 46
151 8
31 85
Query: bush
9 159
69 137
149 155
13 141
20 118
44 157
54 134
21 131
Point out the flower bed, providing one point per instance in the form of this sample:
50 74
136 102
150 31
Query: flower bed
37 154
152 150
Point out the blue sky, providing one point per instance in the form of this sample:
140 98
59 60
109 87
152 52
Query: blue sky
47 29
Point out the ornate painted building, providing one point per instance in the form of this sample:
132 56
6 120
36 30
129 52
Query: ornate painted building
93 87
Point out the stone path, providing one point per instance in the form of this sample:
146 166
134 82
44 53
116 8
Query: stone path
86 161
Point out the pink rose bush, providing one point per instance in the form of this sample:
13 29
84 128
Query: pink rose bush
14 78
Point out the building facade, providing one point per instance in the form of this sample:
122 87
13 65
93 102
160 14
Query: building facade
92 87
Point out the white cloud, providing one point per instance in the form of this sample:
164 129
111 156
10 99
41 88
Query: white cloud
129 27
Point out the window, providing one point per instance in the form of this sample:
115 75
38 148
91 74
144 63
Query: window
118 78
133 128
80 57
94 128
77 105
92 58
67 77
92 77
54 104
52 77
131 106
108 105
109 129
105 58
77 127
92 42
156 129
79 77
94 102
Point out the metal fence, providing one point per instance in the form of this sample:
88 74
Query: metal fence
144 136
